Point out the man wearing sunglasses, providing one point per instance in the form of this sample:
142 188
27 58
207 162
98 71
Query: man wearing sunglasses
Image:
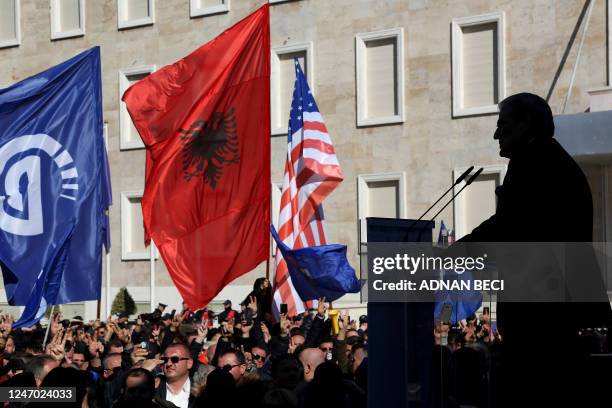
233 361
176 366
259 356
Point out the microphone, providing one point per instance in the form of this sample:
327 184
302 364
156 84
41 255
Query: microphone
467 183
459 180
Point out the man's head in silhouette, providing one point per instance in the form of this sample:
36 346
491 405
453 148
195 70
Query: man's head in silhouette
523 118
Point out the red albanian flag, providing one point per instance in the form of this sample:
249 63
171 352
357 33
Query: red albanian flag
205 121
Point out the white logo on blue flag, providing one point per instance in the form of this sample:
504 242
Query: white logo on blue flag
21 206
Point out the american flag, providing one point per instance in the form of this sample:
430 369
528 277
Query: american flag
312 172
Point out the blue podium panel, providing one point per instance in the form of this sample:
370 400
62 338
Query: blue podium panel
400 334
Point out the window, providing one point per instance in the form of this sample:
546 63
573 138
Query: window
283 79
380 77
478 60
70 310
199 8
128 135
142 307
14 311
10 26
478 201
132 228
599 176
67 18
380 195
135 13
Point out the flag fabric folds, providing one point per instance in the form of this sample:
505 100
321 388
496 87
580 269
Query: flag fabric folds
470 300
312 172
54 186
205 122
464 304
319 271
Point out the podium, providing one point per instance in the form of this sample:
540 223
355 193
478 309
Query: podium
400 335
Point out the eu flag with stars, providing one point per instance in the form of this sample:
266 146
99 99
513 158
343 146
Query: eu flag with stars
319 271
54 187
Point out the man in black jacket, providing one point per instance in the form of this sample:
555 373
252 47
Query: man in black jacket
545 197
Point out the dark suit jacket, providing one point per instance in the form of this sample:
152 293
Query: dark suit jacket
161 391
545 197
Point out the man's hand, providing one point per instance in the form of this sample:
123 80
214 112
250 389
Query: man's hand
110 329
266 332
154 337
176 322
55 347
343 323
285 324
55 324
321 308
95 348
292 347
151 363
253 305
202 332
56 351
138 354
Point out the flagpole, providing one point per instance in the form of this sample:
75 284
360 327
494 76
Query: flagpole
48 327
108 285
107 308
152 274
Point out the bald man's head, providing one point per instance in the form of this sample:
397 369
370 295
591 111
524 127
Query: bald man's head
310 359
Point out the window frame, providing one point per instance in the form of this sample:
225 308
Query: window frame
123 23
362 195
361 77
460 204
14 42
456 61
124 116
195 11
55 13
276 116
126 255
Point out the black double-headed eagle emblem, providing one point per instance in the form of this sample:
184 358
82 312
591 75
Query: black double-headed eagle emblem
209 146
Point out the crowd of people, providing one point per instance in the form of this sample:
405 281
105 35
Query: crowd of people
242 357
467 364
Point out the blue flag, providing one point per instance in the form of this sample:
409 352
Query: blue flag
54 186
319 271
464 304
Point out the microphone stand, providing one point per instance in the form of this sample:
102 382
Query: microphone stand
459 180
467 183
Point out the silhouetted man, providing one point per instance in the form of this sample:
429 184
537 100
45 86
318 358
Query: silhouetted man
545 197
